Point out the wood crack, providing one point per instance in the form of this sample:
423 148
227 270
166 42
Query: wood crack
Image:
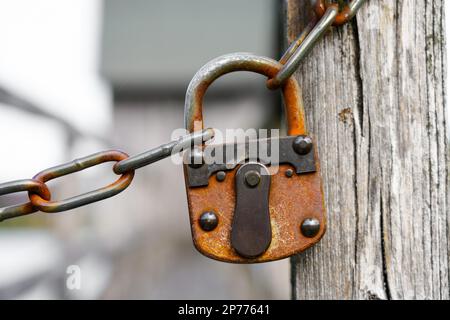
387 289
359 79
360 110
443 79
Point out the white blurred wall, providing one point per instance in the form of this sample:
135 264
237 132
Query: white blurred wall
50 56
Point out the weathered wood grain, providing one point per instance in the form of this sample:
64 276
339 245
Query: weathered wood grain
374 94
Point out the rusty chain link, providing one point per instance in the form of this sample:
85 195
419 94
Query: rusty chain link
327 14
40 195
118 186
30 185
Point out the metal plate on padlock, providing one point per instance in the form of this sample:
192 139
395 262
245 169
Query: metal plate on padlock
301 161
251 232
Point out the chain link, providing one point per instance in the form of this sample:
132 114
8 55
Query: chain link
78 165
327 14
40 195
163 151
30 185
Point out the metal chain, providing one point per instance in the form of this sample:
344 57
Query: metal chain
40 195
327 14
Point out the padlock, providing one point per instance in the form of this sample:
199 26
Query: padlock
256 210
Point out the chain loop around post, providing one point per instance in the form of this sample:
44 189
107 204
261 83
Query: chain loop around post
78 165
303 48
327 14
345 14
34 186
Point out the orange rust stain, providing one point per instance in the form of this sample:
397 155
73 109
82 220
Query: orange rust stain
342 18
291 201
346 115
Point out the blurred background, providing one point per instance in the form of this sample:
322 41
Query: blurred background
77 77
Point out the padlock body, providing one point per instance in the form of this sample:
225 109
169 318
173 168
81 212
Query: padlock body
293 198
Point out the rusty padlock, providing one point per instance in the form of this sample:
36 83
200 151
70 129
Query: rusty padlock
255 211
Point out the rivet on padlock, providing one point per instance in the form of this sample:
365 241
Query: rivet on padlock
265 207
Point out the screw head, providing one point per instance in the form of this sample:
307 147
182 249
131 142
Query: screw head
302 145
289 173
221 176
208 221
310 227
252 178
196 158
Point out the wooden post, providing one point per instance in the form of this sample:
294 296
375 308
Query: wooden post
374 94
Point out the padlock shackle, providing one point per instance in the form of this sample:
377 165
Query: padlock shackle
242 62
